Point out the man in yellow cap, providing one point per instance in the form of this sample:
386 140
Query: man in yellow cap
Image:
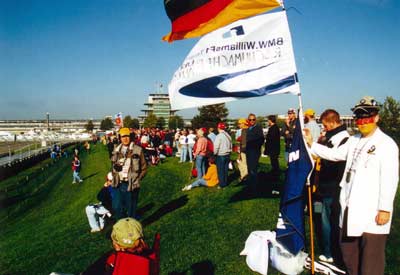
129 168
368 188
242 138
311 124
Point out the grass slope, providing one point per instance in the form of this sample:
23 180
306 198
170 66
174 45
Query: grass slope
202 231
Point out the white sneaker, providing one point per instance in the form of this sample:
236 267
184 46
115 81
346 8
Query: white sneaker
80 180
95 230
185 188
325 259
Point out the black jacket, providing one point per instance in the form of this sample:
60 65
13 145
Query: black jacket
104 196
254 138
331 172
272 141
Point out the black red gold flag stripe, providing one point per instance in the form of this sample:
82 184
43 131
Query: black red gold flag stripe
193 18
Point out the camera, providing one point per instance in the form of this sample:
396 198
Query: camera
117 167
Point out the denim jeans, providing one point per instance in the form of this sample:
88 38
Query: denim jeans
199 182
125 202
76 177
201 166
184 151
222 168
95 214
326 226
190 151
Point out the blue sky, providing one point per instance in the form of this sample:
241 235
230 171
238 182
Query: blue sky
87 59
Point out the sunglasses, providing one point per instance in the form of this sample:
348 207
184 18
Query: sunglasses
125 136
251 119
365 120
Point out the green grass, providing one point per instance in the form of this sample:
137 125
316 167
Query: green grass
204 229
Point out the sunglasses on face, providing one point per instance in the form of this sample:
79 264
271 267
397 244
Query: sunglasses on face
251 119
365 120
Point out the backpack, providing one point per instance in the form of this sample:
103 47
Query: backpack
126 263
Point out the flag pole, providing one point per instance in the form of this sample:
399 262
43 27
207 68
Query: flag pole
310 208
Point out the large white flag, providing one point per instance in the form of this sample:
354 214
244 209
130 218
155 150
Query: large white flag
248 58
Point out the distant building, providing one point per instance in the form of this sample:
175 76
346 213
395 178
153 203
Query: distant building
158 104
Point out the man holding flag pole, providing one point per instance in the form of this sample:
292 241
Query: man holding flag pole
238 59
369 185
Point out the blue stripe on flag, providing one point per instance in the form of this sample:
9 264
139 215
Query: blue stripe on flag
208 88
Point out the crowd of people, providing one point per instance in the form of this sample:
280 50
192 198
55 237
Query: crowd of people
355 177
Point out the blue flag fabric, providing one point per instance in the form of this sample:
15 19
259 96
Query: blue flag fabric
290 233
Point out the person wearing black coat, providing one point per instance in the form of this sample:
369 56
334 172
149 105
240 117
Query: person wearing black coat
272 145
254 141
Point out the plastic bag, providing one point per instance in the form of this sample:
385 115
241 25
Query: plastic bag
286 262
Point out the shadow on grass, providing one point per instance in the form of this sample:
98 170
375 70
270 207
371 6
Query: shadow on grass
201 268
142 210
266 186
91 175
32 194
165 209
97 268
233 175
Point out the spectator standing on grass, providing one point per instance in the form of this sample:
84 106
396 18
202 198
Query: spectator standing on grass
200 153
87 147
254 141
183 142
110 147
129 168
97 212
288 130
369 185
222 151
176 142
169 137
76 150
272 145
76 168
211 135
191 141
328 189
311 123
242 139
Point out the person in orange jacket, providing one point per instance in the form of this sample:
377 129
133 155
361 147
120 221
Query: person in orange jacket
210 179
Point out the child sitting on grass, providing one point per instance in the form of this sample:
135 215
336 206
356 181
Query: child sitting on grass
210 179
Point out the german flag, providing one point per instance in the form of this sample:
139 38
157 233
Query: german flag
193 18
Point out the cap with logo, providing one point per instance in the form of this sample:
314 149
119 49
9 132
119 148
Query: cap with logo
366 107
126 231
